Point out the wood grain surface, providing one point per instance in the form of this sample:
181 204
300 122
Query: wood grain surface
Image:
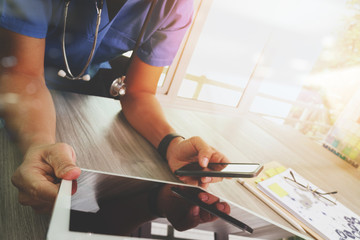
103 140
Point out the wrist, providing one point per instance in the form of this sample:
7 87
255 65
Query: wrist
173 146
168 142
36 141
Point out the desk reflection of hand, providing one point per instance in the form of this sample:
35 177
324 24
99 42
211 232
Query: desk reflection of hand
182 214
122 216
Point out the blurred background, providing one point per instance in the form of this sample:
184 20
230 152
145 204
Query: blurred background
293 62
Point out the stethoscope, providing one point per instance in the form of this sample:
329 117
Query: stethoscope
118 87
81 76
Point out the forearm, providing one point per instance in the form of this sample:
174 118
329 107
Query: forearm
30 120
144 113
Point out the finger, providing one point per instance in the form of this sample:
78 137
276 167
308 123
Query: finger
43 190
17 179
62 158
190 180
208 198
35 185
206 216
74 187
194 211
194 181
203 149
183 179
206 179
218 157
223 207
190 220
211 179
203 185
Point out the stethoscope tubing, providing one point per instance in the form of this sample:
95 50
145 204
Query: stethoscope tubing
98 20
118 87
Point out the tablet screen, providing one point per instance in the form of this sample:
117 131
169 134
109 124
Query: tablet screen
125 206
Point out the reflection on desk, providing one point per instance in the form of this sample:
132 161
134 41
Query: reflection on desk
103 140
118 205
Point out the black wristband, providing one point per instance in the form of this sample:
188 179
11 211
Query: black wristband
164 144
153 201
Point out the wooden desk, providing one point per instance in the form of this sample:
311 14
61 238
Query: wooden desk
104 141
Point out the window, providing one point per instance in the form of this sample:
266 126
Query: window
294 62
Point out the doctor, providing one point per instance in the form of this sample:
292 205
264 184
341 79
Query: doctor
32 41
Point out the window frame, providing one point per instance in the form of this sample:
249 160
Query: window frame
167 94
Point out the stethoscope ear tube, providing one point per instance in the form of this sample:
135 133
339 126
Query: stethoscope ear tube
62 73
118 87
81 75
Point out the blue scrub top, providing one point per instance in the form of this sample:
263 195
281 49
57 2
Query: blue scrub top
44 19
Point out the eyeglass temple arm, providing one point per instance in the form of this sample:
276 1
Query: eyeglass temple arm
320 193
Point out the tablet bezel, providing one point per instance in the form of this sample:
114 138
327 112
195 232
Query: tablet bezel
60 219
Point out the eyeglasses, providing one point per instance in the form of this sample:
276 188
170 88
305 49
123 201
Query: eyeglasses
308 188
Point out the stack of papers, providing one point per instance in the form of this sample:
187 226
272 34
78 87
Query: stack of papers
328 220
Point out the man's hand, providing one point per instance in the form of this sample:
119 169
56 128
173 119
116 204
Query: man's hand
37 178
181 152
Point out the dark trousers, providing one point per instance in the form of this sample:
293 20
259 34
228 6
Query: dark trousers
99 85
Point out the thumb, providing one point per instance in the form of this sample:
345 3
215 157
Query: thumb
203 149
61 157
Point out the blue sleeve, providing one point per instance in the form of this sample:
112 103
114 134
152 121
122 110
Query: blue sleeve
27 17
160 49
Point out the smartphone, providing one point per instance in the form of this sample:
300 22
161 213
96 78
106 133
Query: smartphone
233 170
192 198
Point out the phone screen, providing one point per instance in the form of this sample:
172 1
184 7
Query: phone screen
221 169
244 168
225 167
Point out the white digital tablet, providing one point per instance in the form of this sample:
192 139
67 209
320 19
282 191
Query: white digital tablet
109 206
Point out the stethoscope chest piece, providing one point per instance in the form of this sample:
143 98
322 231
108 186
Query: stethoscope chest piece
118 87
